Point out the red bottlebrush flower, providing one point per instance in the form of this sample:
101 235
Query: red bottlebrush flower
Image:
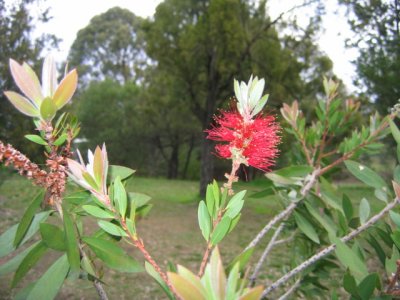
253 142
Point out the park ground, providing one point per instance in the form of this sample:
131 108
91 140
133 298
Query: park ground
170 233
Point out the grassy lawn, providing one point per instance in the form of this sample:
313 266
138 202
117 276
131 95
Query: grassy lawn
170 233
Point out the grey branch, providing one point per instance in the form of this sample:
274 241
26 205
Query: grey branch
263 257
310 181
291 290
271 223
329 249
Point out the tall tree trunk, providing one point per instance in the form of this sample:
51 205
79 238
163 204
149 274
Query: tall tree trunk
173 163
188 157
207 165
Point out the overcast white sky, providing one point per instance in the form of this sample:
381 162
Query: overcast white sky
69 16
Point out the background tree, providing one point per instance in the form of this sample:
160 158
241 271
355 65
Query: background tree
110 113
110 46
377 37
16 30
203 45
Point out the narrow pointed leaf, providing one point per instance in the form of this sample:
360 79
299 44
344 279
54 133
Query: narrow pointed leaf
306 227
123 172
365 174
66 89
204 220
47 287
395 131
253 294
120 198
97 212
364 210
28 85
52 236
111 228
221 230
71 242
29 262
36 139
27 218
8 237
12 264
184 288
22 104
153 273
112 255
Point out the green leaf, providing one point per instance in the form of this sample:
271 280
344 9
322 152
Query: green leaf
396 174
350 285
367 286
365 174
47 287
87 266
325 221
347 207
97 212
29 262
120 198
216 195
243 259
11 265
350 259
111 228
364 210
221 230
395 218
395 131
36 139
60 140
71 243
378 249
184 287
306 227
48 109
8 237
231 285
112 255
27 218
24 293
396 237
234 222
262 194
210 201
115 171
204 220
235 205
52 236
138 198
294 171
143 211
391 264
153 273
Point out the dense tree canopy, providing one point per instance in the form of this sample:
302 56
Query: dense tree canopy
377 37
110 46
204 45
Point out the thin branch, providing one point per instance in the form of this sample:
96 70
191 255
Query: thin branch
291 290
263 257
279 217
285 213
329 249
100 290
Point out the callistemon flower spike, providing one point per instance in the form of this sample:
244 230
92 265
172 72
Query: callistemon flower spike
92 176
248 137
41 101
